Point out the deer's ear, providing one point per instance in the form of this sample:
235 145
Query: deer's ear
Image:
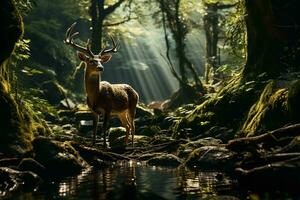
82 56
105 58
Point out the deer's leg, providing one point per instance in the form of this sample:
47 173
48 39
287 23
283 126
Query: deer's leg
104 128
131 122
122 117
95 126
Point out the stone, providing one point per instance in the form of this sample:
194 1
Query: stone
165 160
212 157
13 180
59 158
29 164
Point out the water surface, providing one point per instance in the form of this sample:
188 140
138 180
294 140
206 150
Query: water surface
131 180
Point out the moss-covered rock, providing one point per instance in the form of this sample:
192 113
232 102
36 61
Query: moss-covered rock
227 109
53 92
13 180
16 133
185 149
212 157
116 136
149 130
59 158
143 111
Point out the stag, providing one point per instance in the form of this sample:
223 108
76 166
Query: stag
102 97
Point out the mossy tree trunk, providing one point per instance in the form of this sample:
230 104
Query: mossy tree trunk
14 126
271 26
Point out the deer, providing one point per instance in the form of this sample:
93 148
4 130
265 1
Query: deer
101 96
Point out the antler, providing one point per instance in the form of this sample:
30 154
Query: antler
114 49
70 41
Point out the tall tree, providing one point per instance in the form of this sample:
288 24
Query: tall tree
99 11
173 20
272 26
211 28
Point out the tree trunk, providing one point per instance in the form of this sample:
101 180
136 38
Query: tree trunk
210 21
97 8
265 38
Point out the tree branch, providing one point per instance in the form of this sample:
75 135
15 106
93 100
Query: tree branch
112 8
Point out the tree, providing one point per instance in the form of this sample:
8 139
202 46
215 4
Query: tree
175 23
272 29
100 11
211 28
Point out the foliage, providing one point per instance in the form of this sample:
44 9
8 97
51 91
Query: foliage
235 29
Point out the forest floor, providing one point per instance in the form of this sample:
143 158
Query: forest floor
269 161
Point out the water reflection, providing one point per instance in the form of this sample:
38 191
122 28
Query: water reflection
131 180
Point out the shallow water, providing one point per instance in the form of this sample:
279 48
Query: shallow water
131 180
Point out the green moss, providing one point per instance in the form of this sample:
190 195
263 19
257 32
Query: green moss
227 109
15 135
269 112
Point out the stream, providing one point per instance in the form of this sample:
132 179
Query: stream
131 180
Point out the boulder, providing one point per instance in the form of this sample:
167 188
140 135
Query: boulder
143 111
59 158
165 160
212 157
29 164
53 92
187 148
13 180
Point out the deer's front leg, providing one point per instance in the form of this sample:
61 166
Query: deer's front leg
104 128
95 126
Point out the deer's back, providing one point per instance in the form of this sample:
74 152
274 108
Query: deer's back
116 97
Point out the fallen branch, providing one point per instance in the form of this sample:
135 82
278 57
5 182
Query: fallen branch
267 138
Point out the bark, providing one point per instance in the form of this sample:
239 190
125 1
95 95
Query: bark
270 25
99 14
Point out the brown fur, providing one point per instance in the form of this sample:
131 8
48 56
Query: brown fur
110 99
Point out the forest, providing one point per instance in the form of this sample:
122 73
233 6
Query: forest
149 99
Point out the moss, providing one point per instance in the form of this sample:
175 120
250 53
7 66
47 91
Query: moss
227 109
269 112
11 28
15 125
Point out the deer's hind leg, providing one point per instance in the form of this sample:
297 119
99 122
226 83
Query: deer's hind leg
125 124
131 115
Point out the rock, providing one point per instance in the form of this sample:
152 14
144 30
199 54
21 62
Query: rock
66 113
67 104
12 180
59 158
143 111
84 115
85 126
29 164
53 92
116 137
166 160
212 157
149 130
186 149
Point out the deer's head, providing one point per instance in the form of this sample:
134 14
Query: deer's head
93 61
